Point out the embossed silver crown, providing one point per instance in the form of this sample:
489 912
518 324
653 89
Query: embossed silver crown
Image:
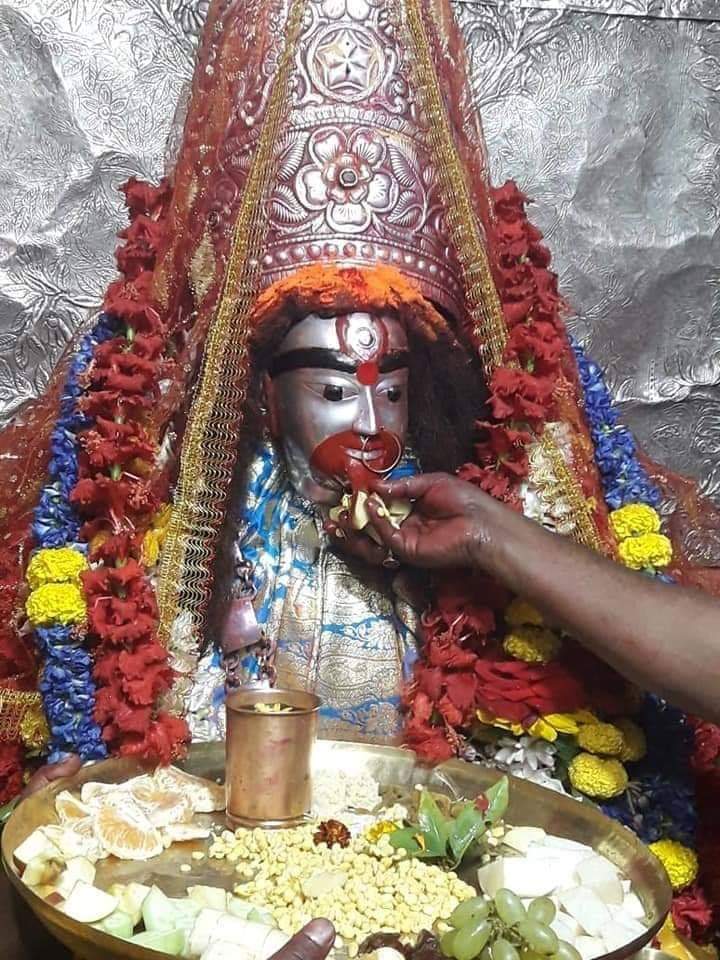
355 180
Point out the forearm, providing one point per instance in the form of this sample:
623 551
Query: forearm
662 637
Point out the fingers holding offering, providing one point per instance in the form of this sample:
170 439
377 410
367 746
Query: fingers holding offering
314 942
347 540
51 772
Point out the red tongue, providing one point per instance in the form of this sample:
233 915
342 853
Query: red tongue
359 476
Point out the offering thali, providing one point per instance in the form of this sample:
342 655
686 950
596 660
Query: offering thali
576 872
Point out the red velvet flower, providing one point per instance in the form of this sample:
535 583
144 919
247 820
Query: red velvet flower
165 739
519 691
144 198
101 494
505 448
138 252
508 202
537 347
691 913
706 750
493 480
111 443
518 395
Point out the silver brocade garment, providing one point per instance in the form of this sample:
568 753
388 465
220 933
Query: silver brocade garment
346 633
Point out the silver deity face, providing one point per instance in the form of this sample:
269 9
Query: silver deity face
338 398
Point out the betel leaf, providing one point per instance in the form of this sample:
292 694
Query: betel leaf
498 796
468 826
434 826
408 839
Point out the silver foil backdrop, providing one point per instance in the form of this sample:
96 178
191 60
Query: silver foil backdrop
607 113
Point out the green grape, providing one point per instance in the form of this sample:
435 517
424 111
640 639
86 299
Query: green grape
503 950
471 938
509 908
473 909
527 954
447 943
538 936
565 951
542 910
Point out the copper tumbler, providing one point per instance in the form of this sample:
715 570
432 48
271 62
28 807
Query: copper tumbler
268 757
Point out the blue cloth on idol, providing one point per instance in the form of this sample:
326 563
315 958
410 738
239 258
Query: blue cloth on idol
272 511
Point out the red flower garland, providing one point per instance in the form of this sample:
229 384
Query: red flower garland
464 668
116 498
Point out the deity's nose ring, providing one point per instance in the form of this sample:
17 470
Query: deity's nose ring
385 470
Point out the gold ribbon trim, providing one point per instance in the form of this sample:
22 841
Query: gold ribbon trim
209 447
14 706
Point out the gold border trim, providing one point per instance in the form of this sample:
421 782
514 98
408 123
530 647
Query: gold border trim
209 445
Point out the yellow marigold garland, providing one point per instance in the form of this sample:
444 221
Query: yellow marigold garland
532 644
646 550
596 777
634 742
633 520
601 738
680 862
56 603
55 565
519 612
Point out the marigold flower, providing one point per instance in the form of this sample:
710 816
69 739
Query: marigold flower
634 742
520 613
645 550
56 603
155 537
680 862
634 520
532 644
596 777
59 565
602 738
380 829
552 724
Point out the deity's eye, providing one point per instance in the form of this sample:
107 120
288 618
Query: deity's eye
333 392
394 394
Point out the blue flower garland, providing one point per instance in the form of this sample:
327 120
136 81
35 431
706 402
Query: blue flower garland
660 799
66 683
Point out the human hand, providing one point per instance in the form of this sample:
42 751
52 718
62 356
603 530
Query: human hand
346 540
314 942
51 772
448 526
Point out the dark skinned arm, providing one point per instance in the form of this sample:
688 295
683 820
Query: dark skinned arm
663 637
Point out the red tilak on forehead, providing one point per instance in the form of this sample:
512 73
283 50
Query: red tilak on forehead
368 373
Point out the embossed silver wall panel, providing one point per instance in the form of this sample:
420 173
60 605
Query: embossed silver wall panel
607 112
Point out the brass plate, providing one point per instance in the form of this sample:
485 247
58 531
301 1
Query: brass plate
529 804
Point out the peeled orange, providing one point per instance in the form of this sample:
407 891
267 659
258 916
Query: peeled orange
124 831
69 809
161 805
204 795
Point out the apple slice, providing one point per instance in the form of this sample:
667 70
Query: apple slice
88 904
131 897
213 897
118 924
203 929
77 868
41 872
164 941
37 845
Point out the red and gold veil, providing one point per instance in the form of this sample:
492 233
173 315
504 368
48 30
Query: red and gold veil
324 139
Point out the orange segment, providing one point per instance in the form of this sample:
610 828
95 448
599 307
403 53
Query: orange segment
123 829
70 808
161 805
204 795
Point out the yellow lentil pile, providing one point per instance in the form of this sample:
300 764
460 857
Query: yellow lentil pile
365 888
